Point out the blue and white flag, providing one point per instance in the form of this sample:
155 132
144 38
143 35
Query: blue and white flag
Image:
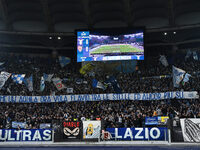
45 126
47 77
178 75
66 79
3 78
187 77
195 56
97 84
1 63
114 83
42 84
163 60
18 78
29 83
20 124
2 68
188 54
70 90
79 81
64 61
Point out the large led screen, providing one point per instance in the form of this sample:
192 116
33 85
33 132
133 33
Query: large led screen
105 46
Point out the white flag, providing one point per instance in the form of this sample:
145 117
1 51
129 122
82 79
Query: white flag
3 78
1 63
187 77
178 75
8 90
163 60
42 84
58 83
70 90
29 83
195 56
188 54
47 77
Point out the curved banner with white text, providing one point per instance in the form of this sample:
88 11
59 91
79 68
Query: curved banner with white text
100 97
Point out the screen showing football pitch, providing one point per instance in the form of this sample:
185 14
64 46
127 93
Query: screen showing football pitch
105 46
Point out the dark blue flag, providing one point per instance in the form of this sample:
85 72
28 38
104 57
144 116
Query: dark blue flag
114 84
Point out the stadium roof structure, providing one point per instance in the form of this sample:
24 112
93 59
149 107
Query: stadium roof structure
30 19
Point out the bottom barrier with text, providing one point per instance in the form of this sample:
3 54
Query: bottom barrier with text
12 135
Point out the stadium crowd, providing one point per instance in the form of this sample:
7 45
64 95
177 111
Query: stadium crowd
141 80
112 113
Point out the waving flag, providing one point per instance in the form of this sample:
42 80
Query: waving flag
18 78
163 60
8 90
97 84
178 75
64 61
114 83
188 54
29 83
58 83
47 77
42 84
186 78
195 56
2 67
70 90
87 68
79 81
1 63
53 93
3 78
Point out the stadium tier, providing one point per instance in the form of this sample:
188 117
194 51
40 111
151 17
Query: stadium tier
60 101
99 74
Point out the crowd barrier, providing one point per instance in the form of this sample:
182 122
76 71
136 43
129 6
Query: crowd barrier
92 131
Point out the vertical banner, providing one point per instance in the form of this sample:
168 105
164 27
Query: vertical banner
71 130
91 129
190 129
